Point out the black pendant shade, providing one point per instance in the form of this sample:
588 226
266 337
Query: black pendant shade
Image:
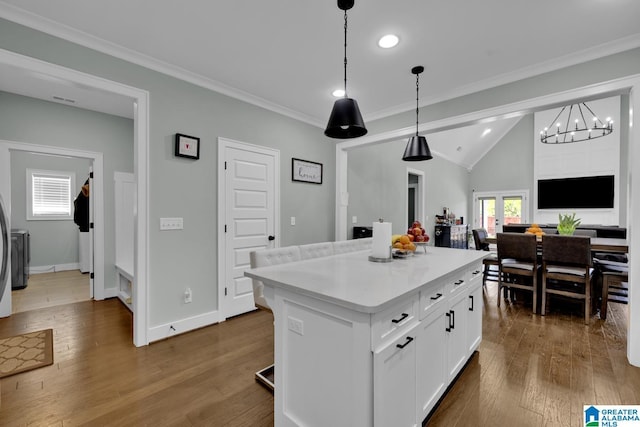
345 120
417 147
417 150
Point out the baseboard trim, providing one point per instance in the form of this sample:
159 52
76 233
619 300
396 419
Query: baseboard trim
167 330
54 268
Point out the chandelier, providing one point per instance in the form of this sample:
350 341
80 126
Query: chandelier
570 125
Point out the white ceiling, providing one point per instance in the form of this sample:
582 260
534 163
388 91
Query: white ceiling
287 55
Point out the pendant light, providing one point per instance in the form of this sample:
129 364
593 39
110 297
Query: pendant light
345 120
417 147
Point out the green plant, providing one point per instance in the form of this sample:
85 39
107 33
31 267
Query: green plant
567 224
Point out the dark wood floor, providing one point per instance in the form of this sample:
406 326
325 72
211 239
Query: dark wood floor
530 370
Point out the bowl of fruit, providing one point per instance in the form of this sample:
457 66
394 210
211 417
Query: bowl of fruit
406 244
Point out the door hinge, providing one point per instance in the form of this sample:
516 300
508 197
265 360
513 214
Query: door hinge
91 275
225 165
225 291
91 175
225 228
91 225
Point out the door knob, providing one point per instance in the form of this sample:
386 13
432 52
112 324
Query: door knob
272 238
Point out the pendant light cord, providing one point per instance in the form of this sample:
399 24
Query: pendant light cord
345 54
417 108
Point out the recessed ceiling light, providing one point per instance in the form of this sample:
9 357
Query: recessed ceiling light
486 132
338 93
388 41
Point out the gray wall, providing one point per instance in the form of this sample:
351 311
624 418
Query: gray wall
189 258
35 121
508 165
377 186
52 242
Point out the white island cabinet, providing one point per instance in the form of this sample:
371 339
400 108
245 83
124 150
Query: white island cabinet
359 343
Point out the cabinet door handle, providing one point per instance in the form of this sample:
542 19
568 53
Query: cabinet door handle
404 316
476 272
459 282
448 328
471 297
406 343
437 297
453 319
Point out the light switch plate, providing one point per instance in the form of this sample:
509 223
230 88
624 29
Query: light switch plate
293 220
171 224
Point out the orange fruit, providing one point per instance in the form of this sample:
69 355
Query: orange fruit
398 245
410 247
404 239
411 237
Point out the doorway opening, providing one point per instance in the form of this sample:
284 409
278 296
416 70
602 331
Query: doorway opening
139 101
415 197
96 241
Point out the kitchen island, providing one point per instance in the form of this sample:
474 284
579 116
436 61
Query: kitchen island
359 343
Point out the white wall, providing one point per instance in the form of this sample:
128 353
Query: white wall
599 156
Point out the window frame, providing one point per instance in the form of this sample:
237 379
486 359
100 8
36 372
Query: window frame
51 217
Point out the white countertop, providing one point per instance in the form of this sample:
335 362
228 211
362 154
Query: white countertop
352 281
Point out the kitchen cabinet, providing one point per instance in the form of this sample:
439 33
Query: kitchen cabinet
369 344
394 382
431 375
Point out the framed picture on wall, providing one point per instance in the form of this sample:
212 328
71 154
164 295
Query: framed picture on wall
187 146
306 171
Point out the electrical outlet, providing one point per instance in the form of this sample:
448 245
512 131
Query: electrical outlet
188 296
293 220
295 325
171 224
354 219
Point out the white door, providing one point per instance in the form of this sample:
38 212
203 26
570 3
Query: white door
250 218
5 231
492 210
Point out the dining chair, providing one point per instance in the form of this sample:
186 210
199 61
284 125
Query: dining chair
490 263
567 270
615 287
518 264
264 258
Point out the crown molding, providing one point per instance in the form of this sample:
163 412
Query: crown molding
574 58
56 29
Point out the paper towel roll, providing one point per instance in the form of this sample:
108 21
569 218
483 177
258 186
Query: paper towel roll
381 239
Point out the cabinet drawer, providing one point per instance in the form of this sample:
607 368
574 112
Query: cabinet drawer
474 273
457 281
432 297
394 320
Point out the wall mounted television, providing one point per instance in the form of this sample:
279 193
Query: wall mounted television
588 192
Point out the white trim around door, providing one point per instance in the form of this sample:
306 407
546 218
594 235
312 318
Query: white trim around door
140 102
223 250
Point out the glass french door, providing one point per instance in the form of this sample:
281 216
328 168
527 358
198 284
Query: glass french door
492 210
